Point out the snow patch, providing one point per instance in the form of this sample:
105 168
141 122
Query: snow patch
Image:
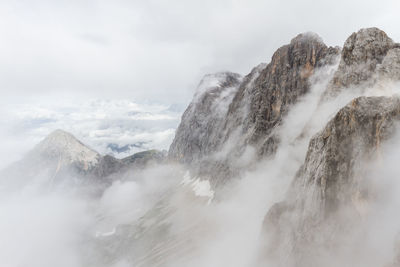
201 188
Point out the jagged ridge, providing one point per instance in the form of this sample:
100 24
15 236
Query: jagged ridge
254 108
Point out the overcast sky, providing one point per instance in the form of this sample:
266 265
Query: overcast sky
158 50
61 59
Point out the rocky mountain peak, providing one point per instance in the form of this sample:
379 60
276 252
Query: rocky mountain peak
203 120
67 148
370 44
307 37
310 39
362 54
62 159
211 83
226 106
278 86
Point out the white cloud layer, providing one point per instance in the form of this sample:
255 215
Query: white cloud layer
118 127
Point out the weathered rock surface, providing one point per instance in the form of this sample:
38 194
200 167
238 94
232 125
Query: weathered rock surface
329 193
202 123
241 112
275 90
228 113
390 67
362 54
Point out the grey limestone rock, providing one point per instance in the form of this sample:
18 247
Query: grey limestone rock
329 193
277 87
362 54
199 132
239 112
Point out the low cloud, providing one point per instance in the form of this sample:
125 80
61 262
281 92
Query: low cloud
117 127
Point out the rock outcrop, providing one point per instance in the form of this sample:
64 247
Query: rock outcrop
363 53
277 87
329 193
389 69
233 113
199 133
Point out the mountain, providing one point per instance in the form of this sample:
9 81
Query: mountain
330 195
293 164
199 132
66 150
62 159
367 55
321 219
233 122
231 114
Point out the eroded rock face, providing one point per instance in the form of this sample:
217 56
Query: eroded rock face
276 89
361 56
233 113
329 192
390 67
199 132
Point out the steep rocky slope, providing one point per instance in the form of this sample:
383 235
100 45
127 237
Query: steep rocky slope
328 194
223 120
331 196
200 131
367 56
258 109
319 221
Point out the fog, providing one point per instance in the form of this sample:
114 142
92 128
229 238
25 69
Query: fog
160 216
118 75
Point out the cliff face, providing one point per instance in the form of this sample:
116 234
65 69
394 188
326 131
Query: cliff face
278 86
329 196
334 155
366 55
241 112
329 193
202 123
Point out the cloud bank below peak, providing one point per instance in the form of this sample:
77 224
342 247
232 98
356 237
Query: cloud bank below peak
117 127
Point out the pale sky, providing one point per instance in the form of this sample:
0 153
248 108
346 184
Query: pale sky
158 50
